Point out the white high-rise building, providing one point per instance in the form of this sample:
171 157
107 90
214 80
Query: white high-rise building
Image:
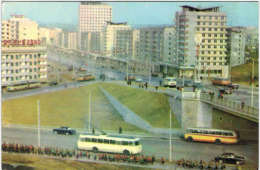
93 17
201 42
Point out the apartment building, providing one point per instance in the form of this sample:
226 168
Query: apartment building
201 42
236 45
111 38
23 56
93 17
72 40
169 45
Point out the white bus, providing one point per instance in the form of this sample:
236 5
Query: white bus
109 143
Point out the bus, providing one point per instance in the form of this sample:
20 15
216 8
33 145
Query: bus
109 143
221 82
85 77
23 86
217 136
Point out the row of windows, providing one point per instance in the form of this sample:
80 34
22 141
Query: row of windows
213 46
215 41
19 56
214 58
19 70
106 141
215 35
211 71
20 78
210 29
211 17
213 64
211 23
213 52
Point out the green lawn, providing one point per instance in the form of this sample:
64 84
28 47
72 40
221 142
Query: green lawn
151 106
242 73
68 107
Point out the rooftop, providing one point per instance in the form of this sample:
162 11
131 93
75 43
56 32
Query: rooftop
190 8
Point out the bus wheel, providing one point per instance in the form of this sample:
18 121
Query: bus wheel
95 149
218 141
190 139
126 152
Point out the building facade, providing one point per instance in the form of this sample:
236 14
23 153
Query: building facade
72 40
111 38
236 45
23 55
201 41
169 45
93 17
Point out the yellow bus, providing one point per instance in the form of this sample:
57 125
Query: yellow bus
109 143
217 136
85 77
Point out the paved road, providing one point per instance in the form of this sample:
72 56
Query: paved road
151 145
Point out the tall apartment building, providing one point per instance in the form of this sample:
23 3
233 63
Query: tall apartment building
123 44
93 17
169 45
72 40
23 56
151 44
110 38
136 44
236 45
54 36
201 41
19 28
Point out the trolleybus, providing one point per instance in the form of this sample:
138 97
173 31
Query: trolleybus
109 143
211 135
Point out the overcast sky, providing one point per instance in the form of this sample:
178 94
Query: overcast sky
135 13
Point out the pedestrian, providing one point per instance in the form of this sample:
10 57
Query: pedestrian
120 130
156 88
146 85
242 105
93 131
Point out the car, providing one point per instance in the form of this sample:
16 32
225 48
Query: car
225 91
233 86
188 83
53 83
64 131
139 80
130 78
230 158
170 82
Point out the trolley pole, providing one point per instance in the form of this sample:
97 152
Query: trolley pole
39 135
170 133
89 114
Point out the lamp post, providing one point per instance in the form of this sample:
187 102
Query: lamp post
252 84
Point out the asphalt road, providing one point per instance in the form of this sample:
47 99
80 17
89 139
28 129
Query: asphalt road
151 145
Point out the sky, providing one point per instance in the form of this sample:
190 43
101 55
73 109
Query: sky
135 13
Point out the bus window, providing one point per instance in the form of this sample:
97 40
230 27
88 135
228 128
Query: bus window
112 141
218 133
137 143
87 140
82 139
94 140
125 143
130 143
100 140
118 142
106 141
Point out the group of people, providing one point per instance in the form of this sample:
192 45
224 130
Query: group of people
212 165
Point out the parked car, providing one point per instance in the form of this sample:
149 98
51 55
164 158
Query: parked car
64 131
130 78
53 83
169 82
233 86
225 91
230 158
139 80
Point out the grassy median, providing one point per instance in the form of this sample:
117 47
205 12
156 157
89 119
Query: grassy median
69 107
151 106
39 163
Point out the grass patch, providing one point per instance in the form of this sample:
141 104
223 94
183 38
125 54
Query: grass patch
152 107
56 164
242 73
68 107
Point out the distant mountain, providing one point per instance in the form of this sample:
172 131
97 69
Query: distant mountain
65 27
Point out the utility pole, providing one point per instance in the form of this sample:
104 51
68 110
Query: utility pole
252 85
39 136
89 113
170 133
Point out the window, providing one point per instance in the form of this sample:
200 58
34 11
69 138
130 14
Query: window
198 17
137 143
100 140
209 46
198 23
125 143
209 29
106 141
222 17
94 140
210 17
112 141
